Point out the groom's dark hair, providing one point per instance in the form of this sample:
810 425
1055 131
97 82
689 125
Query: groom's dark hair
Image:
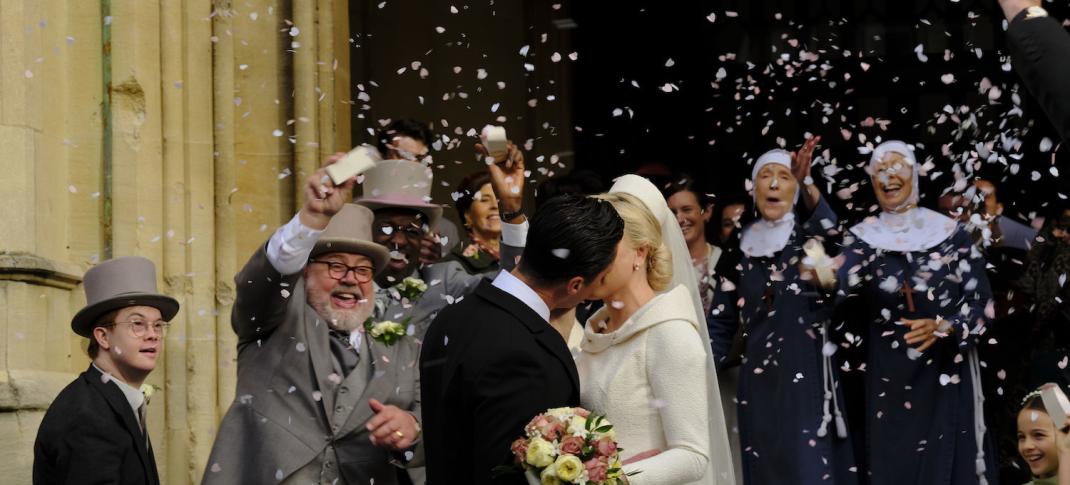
569 236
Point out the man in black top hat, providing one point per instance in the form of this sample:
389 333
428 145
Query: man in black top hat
95 430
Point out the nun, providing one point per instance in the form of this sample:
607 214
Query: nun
790 425
924 285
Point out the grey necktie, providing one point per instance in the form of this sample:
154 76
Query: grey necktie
343 350
144 424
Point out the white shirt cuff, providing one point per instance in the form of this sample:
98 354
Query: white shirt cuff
290 245
515 235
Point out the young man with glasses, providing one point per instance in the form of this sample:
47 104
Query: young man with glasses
95 431
323 395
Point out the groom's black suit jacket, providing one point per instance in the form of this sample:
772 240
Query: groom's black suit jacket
489 364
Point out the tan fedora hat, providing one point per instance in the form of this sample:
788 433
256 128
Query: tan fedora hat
119 283
350 231
400 183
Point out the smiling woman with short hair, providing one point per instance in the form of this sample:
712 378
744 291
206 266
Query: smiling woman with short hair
477 206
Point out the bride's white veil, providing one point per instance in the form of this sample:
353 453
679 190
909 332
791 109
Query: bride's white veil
683 273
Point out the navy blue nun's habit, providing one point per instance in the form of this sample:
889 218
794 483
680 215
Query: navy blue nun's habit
923 419
789 431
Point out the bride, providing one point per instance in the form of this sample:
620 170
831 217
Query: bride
645 359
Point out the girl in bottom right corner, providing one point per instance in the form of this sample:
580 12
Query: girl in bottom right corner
1044 448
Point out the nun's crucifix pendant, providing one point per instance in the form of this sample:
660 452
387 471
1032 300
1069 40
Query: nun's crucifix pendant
908 292
768 297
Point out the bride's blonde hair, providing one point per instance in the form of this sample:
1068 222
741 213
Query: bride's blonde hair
642 230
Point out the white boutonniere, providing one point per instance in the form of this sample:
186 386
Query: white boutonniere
411 288
388 332
148 390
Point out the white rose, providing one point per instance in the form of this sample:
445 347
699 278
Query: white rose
549 476
540 453
577 425
559 412
569 468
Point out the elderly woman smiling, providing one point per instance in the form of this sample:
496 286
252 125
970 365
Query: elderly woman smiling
925 287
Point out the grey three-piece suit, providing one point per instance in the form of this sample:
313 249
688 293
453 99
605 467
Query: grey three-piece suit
296 417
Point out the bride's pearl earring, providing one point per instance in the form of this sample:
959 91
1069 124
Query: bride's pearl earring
635 267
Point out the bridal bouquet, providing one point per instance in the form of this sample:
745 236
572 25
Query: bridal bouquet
569 445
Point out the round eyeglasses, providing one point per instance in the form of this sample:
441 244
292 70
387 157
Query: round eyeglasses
138 328
338 271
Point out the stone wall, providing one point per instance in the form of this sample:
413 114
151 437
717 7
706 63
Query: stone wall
134 127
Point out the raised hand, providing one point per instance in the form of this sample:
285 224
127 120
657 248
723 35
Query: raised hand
507 177
430 248
801 162
1012 7
323 199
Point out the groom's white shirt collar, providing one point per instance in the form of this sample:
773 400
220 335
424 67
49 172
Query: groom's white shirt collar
512 285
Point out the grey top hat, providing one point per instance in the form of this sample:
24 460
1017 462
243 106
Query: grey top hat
119 283
350 231
400 183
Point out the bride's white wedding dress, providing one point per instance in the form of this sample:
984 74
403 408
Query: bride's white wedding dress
649 378
654 377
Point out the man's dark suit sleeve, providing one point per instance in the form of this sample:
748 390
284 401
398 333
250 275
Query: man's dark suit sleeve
1039 48
508 397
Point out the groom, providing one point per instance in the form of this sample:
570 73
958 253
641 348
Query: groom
492 362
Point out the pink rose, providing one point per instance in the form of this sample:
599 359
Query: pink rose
550 428
596 469
583 413
520 450
606 447
572 445
535 424
470 250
